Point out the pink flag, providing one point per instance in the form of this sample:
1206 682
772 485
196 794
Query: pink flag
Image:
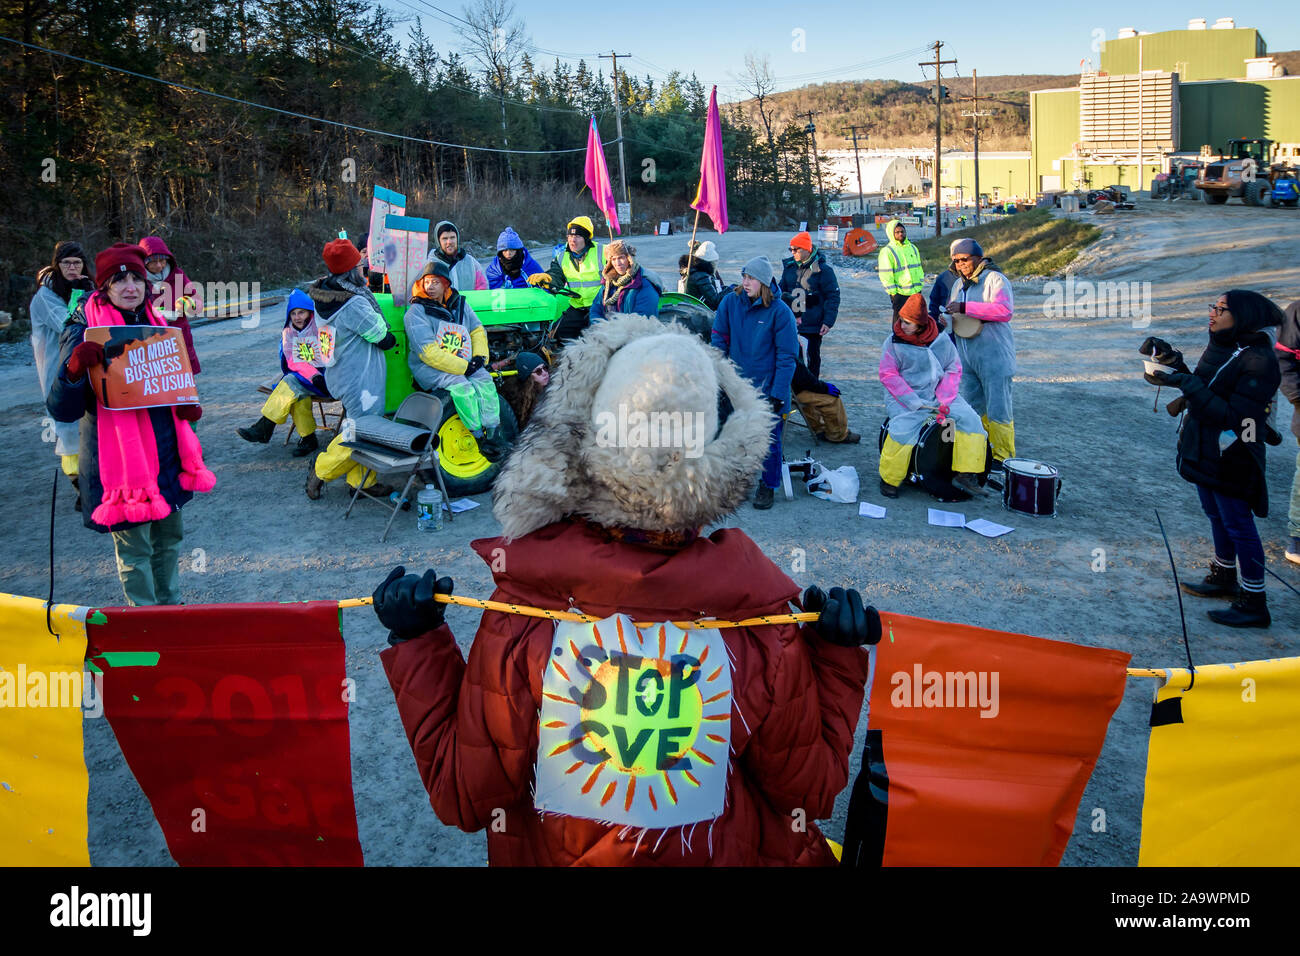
597 176
711 198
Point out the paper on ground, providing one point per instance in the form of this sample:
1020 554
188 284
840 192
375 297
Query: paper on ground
947 519
988 528
867 510
459 505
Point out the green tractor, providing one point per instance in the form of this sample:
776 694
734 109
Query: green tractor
516 320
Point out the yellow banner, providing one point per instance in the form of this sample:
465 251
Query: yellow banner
1223 768
43 780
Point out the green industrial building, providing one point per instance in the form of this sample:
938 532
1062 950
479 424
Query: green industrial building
1196 88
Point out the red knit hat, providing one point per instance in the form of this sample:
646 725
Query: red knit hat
801 241
914 309
340 256
119 258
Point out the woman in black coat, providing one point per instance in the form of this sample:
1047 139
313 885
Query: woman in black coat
1228 400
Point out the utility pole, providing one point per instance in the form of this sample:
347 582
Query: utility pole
618 122
975 113
862 196
938 65
811 130
1140 176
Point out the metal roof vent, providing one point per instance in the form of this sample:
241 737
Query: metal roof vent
1197 24
1225 23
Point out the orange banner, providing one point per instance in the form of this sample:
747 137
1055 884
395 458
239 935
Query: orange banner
145 366
979 745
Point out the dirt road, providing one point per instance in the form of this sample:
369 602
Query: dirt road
1080 404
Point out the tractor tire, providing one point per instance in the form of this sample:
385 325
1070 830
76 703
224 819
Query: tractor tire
697 318
463 466
1258 192
1213 199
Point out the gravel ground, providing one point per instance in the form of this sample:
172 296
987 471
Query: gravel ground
1081 405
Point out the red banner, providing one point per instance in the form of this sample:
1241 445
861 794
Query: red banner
979 745
234 720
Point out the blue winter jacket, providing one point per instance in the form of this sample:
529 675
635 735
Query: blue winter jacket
75 402
762 341
641 297
941 292
497 278
821 293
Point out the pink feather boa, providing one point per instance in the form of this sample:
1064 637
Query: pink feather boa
128 449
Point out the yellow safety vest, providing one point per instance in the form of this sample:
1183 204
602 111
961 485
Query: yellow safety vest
585 278
900 278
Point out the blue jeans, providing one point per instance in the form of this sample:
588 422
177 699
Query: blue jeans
1235 537
772 465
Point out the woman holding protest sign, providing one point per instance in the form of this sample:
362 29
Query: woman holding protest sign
139 465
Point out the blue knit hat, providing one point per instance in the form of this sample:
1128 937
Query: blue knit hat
509 239
965 247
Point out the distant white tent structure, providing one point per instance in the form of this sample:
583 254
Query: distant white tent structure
889 175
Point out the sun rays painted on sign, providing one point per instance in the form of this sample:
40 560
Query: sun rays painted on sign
635 727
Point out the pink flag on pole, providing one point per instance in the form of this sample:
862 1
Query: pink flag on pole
711 197
597 175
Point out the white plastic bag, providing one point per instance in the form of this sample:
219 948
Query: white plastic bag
838 485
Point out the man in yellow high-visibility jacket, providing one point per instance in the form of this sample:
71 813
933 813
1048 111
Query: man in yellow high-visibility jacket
899 265
578 268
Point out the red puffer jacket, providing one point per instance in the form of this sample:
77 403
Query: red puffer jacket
474 727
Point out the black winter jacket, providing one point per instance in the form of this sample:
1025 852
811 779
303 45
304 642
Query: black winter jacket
821 293
75 401
1230 392
1288 360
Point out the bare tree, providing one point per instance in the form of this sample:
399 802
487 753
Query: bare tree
494 38
758 82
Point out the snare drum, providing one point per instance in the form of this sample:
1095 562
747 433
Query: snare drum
1031 487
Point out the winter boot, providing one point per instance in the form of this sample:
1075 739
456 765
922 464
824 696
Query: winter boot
888 490
315 487
76 484
1249 610
1220 582
260 433
850 438
1293 551
306 445
968 483
763 498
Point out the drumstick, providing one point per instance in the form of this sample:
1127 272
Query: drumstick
1155 406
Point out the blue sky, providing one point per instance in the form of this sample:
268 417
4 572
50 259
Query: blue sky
848 39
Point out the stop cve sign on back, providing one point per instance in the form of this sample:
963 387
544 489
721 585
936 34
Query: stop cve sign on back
635 726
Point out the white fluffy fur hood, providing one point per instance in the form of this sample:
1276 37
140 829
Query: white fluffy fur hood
565 464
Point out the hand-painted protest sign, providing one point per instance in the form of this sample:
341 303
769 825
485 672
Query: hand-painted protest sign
385 202
145 366
452 337
635 727
406 244
313 345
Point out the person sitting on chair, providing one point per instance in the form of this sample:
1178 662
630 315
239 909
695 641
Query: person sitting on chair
821 406
302 362
447 347
921 374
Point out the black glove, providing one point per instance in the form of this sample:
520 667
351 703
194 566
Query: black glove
387 342
475 363
318 383
1162 352
844 621
778 406
404 603
1171 380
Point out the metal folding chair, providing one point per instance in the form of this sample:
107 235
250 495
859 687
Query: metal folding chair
420 409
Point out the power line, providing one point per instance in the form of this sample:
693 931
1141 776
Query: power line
276 109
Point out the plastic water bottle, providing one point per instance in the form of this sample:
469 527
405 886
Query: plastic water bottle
428 509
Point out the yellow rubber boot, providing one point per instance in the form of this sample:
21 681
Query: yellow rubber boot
70 465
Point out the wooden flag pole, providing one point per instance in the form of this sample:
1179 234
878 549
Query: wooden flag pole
690 249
